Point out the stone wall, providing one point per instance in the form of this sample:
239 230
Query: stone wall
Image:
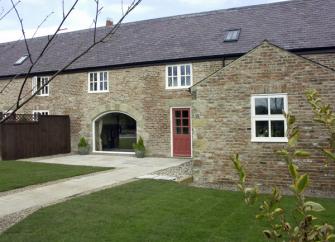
139 92
327 59
222 119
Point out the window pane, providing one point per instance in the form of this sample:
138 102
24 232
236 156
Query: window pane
185 114
169 71
101 86
262 129
105 76
178 122
185 130
91 86
175 72
105 86
277 129
183 82
261 106
188 80
277 105
178 113
178 130
170 81
188 70
182 70
185 122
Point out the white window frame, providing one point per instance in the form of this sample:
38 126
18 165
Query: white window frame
42 112
45 90
269 117
179 86
98 82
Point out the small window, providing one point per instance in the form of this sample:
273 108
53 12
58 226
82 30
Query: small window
268 120
37 113
98 81
38 82
232 35
178 76
21 60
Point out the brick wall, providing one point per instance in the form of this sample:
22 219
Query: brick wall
222 119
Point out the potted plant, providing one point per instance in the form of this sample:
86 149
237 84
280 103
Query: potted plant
83 147
139 148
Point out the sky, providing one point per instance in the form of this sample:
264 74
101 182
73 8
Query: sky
33 12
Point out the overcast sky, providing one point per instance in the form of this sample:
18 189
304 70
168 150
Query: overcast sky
34 11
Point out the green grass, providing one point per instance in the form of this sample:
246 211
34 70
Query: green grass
148 211
17 174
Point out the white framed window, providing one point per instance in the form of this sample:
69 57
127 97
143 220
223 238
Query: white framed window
37 113
39 81
268 123
98 82
179 76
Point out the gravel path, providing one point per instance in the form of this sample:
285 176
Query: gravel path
179 173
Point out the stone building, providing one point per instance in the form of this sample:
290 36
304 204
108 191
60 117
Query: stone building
203 85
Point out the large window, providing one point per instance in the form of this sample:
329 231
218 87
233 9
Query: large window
268 120
178 76
98 81
38 82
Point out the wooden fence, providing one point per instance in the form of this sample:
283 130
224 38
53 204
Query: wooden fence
24 136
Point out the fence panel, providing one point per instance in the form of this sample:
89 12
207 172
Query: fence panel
32 137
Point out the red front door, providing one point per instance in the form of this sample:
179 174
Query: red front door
181 118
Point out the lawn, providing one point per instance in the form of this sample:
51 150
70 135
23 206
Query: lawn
148 211
17 174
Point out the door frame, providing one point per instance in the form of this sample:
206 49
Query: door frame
93 134
171 129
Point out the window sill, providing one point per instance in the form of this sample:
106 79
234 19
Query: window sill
177 88
269 140
43 95
98 91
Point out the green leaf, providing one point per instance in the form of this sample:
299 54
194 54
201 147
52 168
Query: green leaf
302 183
267 234
301 153
293 140
282 152
313 206
329 154
293 170
331 237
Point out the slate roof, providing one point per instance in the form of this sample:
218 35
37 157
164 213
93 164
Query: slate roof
293 25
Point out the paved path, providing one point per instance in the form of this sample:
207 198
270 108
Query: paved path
127 168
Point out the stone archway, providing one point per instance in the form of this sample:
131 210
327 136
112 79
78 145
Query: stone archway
114 132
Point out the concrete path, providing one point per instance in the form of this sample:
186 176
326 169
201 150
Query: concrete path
127 168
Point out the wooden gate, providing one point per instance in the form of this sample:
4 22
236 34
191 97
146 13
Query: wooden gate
25 136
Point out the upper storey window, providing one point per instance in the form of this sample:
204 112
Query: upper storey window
41 82
98 81
178 76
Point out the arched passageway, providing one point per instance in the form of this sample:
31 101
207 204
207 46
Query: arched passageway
114 132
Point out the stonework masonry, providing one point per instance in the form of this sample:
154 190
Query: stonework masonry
222 120
138 91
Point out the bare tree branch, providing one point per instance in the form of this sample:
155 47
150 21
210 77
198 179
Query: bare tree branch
95 21
43 21
22 30
43 51
109 34
3 15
